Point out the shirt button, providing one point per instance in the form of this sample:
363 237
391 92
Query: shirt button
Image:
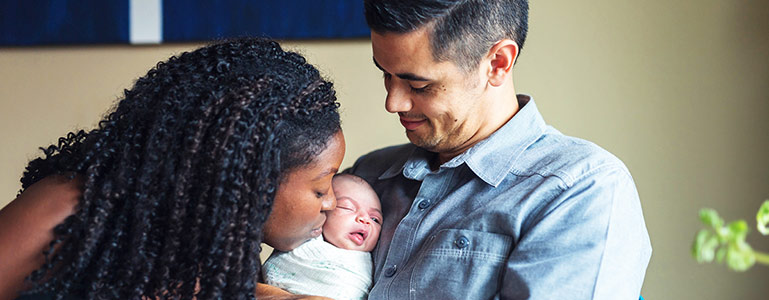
424 204
462 242
390 271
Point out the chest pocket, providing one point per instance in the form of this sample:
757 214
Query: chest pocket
460 264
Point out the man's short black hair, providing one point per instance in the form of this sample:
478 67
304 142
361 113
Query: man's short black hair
462 31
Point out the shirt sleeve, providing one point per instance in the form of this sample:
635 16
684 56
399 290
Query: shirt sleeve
590 242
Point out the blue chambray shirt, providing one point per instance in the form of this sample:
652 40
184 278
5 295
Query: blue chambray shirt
527 213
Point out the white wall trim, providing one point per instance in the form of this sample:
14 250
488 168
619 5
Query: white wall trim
146 21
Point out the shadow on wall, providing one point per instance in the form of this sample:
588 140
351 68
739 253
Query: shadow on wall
752 20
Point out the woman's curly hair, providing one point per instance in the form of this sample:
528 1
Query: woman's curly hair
179 179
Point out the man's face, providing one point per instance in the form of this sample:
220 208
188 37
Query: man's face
356 221
440 106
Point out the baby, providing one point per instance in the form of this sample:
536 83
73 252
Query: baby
337 264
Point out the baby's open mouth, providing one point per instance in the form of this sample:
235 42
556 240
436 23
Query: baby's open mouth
358 237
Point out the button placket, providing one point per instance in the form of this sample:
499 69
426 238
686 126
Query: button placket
425 203
432 187
390 271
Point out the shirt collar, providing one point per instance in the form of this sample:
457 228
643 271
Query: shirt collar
398 166
492 158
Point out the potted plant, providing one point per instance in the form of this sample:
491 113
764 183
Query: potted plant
726 242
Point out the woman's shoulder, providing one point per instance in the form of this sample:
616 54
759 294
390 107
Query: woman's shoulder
26 227
52 195
50 200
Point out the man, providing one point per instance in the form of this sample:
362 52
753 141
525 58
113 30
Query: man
487 201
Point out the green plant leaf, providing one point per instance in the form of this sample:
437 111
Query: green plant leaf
710 217
762 218
739 256
738 230
721 254
704 246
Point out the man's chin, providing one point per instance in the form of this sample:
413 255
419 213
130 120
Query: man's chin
422 142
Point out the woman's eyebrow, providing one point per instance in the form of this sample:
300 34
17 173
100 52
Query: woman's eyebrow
329 171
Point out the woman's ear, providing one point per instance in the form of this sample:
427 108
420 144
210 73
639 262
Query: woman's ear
501 58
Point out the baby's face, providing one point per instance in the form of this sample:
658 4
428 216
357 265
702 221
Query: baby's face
357 219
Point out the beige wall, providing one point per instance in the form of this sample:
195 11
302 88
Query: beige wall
678 89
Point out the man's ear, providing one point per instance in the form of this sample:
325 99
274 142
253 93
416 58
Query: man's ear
501 58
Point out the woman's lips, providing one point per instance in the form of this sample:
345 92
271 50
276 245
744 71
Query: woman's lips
316 232
411 124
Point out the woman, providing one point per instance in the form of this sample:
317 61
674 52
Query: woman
170 196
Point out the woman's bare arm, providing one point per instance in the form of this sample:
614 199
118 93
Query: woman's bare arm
265 291
26 229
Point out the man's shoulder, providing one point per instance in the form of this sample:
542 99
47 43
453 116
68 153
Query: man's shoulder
394 151
567 157
373 164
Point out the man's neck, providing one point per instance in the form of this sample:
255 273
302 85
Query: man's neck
502 106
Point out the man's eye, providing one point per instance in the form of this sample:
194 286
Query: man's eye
420 90
386 75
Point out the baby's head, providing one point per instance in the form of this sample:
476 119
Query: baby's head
357 219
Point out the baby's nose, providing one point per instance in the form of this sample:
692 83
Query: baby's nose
363 219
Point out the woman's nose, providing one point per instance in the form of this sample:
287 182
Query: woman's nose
328 203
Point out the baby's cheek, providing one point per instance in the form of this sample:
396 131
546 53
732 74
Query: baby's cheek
375 236
334 241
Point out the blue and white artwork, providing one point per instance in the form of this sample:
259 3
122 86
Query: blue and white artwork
51 22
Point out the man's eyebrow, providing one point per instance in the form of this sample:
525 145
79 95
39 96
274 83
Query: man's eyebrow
404 76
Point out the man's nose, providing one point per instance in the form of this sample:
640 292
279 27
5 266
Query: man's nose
397 100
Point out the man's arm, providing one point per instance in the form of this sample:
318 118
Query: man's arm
591 242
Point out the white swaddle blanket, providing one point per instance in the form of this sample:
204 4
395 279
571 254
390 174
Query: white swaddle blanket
319 268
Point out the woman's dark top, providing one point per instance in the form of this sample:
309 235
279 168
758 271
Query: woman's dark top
45 297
